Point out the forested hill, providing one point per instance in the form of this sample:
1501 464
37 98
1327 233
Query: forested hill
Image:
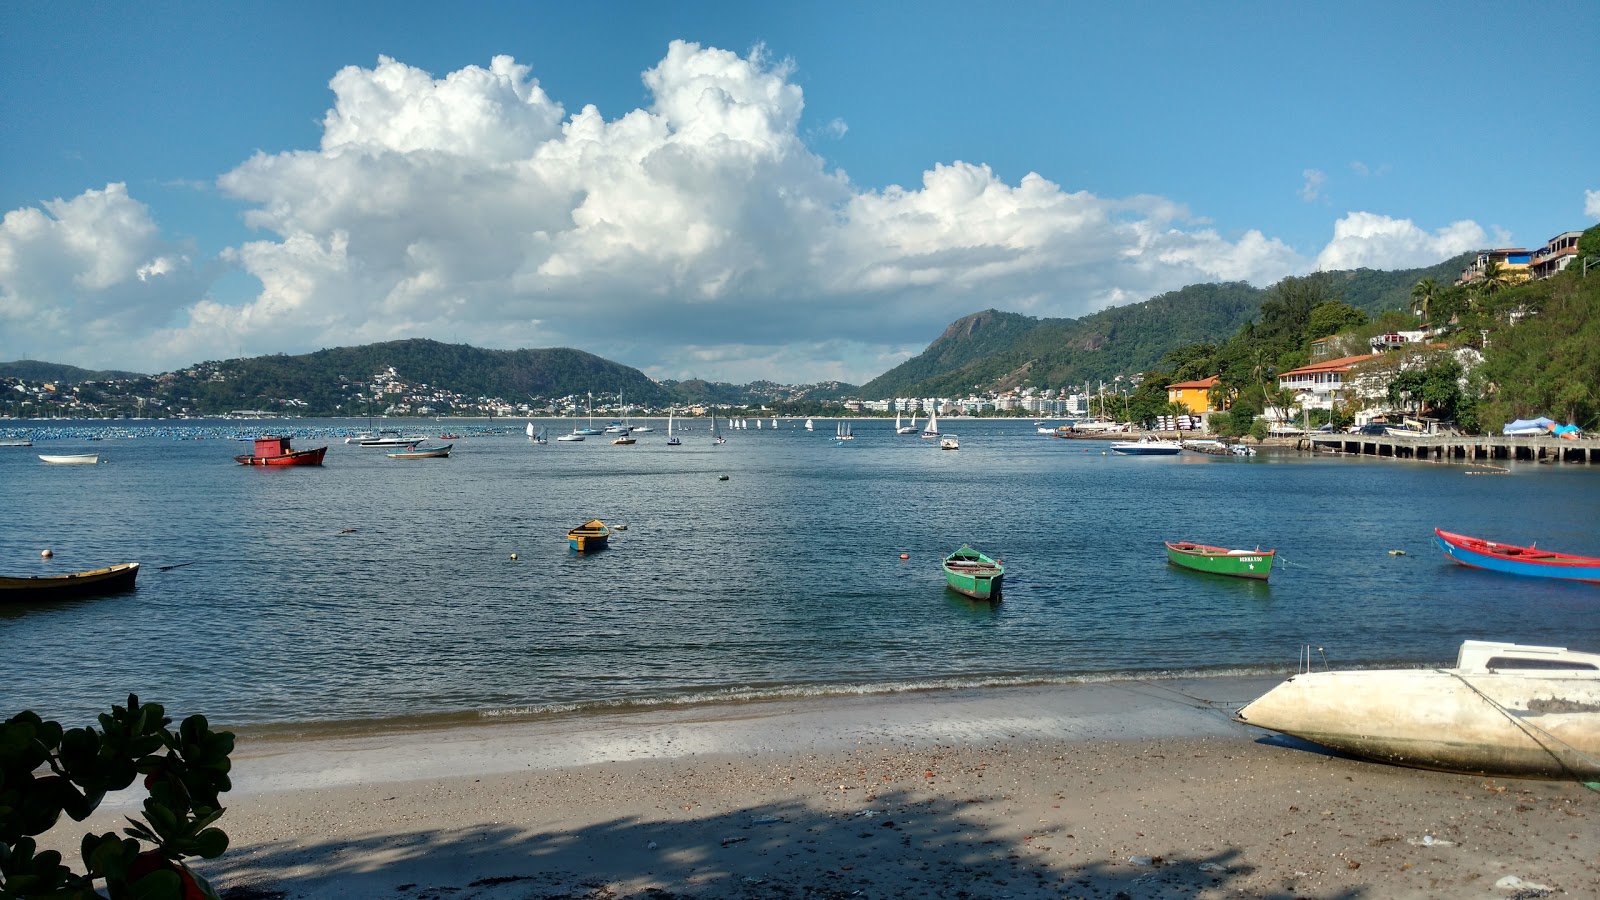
33 370
513 375
997 350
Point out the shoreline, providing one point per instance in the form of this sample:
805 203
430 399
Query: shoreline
1141 789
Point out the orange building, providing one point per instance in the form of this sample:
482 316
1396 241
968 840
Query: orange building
1196 395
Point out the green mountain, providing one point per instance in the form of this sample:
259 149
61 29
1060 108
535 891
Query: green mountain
998 350
35 371
325 379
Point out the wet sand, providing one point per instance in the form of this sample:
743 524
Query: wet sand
1129 789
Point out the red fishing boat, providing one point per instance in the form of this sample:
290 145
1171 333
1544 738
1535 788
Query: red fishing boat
275 451
1477 553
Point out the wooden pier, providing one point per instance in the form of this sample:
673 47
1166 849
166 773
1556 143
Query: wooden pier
1463 447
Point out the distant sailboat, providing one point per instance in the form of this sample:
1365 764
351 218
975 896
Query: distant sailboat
537 437
671 441
716 432
809 426
931 430
906 429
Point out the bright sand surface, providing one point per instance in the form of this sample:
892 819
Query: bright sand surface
1096 790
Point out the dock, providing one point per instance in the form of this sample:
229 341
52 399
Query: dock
1540 448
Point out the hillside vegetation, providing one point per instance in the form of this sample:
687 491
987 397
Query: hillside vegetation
995 350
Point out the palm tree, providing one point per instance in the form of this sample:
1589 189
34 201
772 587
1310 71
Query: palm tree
1422 297
1494 277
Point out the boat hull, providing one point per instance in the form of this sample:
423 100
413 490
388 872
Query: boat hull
293 458
1496 723
1147 448
423 453
1220 560
1475 553
75 459
95 582
974 575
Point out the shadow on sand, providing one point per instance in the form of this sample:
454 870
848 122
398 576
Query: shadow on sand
897 848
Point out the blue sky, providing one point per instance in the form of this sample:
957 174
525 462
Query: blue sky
799 193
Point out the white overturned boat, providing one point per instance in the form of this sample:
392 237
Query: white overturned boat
1505 709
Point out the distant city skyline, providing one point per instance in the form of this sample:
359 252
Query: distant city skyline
800 194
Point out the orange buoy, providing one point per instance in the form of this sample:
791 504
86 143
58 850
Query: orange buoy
905 556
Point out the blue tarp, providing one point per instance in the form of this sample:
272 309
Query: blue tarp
1564 430
1540 425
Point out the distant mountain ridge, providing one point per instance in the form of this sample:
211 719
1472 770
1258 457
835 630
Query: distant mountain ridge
994 350
985 351
39 371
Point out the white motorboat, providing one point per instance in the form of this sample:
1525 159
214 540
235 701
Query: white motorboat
949 442
1147 447
1505 709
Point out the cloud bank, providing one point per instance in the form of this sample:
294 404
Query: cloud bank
696 237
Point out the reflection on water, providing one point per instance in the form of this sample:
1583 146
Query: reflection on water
373 587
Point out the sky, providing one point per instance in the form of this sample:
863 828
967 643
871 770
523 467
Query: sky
798 192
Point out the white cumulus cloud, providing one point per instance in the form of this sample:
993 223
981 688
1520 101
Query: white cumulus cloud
1591 204
81 276
1373 241
696 236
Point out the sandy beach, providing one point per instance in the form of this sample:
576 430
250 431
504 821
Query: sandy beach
1096 790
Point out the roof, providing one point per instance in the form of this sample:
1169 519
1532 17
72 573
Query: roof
1204 384
1342 364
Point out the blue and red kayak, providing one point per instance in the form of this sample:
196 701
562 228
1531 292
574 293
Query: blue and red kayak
1477 553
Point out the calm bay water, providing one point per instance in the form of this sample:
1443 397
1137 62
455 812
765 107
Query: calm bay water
374 588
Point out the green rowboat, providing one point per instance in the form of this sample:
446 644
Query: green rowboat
1220 560
969 572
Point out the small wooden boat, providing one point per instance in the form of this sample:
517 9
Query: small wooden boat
276 451
438 452
71 459
1505 709
1476 553
109 580
1255 563
966 571
591 535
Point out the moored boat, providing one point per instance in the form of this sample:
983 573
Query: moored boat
966 571
275 451
1477 553
591 535
1255 563
1147 447
1504 709
109 580
70 459
390 439
439 452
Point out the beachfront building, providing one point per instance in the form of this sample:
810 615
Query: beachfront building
1556 254
1195 395
1515 265
1321 384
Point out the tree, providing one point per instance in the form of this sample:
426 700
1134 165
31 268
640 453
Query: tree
1434 386
46 770
1333 316
1422 297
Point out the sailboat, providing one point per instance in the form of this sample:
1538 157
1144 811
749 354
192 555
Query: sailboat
624 432
845 433
573 435
809 426
906 429
537 437
931 430
774 421
591 429
716 432
671 441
